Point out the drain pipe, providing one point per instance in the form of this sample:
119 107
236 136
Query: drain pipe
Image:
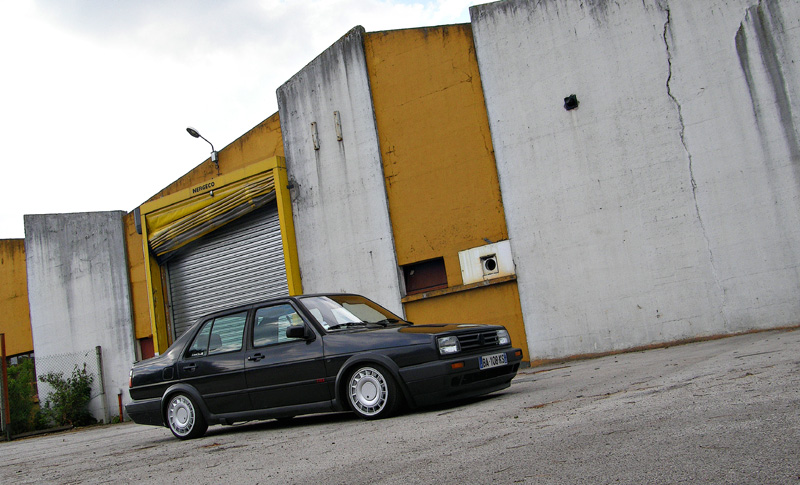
99 353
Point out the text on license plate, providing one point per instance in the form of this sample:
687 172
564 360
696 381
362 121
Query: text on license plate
495 360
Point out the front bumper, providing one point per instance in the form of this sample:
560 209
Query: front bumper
146 411
437 382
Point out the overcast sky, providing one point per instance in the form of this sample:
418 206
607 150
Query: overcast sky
96 95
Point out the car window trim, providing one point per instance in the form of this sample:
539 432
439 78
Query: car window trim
212 318
298 308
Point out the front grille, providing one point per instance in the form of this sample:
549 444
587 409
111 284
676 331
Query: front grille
478 340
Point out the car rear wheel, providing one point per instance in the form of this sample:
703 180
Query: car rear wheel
372 392
184 418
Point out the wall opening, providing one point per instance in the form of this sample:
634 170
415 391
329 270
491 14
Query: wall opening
425 276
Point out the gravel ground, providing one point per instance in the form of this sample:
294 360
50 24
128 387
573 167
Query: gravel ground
722 411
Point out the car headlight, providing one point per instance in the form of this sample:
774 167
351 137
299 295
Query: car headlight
503 338
448 345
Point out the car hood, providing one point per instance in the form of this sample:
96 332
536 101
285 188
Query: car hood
361 339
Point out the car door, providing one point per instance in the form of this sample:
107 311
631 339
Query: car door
214 363
282 371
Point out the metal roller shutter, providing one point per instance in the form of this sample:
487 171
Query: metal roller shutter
239 263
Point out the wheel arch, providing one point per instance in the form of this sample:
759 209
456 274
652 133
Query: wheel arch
369 358
186 389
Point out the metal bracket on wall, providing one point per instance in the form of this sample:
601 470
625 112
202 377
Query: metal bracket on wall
338 124
314 135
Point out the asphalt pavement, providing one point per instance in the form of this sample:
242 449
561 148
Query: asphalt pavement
721 411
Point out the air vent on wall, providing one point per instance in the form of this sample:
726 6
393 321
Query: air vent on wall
486 262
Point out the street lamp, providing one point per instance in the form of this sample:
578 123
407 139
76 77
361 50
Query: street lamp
214 155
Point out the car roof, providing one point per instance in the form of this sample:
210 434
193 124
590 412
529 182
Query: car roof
247 306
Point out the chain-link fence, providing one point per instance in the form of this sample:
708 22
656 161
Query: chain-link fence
66 364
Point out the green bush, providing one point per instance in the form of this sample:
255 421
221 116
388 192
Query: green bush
68 402
21 390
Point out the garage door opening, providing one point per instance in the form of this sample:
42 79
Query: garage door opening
239 263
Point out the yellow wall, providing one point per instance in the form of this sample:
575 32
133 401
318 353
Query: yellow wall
141 310
435 142
15 317
439 166
263 141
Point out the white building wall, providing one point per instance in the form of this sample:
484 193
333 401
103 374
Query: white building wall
344 236
666 206
80 298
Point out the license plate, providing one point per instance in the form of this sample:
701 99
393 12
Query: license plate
495 360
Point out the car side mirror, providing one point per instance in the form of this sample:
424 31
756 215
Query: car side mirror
298 331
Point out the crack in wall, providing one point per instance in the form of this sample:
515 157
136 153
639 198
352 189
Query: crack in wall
667 35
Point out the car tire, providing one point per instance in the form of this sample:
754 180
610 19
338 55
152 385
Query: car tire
184 418
371 392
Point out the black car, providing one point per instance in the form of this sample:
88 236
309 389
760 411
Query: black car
310 354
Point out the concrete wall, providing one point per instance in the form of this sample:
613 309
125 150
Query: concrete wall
15 319
666 206
344 238
80 296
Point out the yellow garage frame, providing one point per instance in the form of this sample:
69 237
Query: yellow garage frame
190 213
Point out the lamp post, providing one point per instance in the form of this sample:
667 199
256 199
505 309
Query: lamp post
214 155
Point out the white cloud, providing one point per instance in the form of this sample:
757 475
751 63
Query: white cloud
96 95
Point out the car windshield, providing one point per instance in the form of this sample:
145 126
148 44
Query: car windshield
341 311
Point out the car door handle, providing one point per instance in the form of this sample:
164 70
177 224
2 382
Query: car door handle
190 367
256 357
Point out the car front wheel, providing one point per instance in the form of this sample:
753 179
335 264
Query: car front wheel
372 392
184 418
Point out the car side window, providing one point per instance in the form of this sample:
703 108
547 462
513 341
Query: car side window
270 324
220 335
227 333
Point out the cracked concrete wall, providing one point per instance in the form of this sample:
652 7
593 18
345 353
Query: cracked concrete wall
666 205
344 237
741 137
79 295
